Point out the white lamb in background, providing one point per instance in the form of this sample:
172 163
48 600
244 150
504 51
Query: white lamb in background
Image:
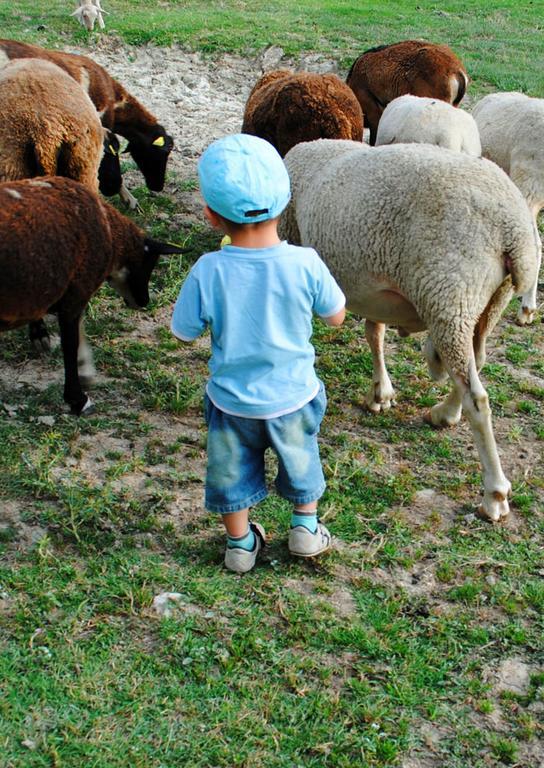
88 13
511 129
419 238
422 120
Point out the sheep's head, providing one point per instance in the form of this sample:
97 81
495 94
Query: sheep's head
109 173
150 153
134 258
87 15
131 281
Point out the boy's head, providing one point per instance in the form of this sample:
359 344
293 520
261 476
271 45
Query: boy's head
243 179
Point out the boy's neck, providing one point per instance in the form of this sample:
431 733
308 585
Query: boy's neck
263 235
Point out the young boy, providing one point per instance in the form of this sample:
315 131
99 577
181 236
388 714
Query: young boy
257 296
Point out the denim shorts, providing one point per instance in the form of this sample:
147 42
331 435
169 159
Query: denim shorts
235 476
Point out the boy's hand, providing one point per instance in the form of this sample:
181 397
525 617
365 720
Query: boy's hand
337 319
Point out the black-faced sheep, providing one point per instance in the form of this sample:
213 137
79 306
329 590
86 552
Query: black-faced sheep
288 107
422 120
58 243
120 112
511 129
420 237
381 74
50 126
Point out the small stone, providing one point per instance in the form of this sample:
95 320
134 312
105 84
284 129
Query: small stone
425 494
272 57
513 675
164 603
47 420
491 579
470 518
29 743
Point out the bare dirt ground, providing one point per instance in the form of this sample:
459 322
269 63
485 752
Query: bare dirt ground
196 99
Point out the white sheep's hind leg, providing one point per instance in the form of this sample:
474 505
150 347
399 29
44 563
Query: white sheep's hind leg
477 410
85 360
381 394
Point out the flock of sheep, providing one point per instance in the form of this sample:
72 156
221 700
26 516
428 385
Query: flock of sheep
418 236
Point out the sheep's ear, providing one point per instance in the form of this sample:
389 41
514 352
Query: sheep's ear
154 248
77 12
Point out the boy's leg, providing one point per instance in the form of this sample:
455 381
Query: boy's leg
300 476
305 515
239 531
234 482
237 523
244 541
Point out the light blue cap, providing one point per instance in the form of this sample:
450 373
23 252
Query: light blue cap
244 179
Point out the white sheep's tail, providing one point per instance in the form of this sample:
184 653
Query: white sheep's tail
522 261
495 307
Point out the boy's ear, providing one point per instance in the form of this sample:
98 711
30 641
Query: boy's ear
213 218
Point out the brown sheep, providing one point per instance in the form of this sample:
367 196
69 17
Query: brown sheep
53 129
59 241
381 74
120 112
286 108
50 126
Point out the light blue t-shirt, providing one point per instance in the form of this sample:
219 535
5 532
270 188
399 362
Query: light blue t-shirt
258 303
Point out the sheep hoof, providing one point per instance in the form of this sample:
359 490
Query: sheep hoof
42 344
525 316
377 407
494 515
439 419
494 507
39 336
79 409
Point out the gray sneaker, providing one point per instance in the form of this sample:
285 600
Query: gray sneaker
303 543
241 560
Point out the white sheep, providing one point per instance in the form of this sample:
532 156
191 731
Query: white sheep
419 238
511 129
88 13
422 120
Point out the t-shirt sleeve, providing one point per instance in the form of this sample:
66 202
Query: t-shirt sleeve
328 299
187 319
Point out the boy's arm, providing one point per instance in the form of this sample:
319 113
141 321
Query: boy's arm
330 302
187 318
336 319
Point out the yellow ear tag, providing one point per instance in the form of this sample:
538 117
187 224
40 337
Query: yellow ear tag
226 241
112 150
159 142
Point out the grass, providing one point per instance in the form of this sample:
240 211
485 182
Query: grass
386 648
499 42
